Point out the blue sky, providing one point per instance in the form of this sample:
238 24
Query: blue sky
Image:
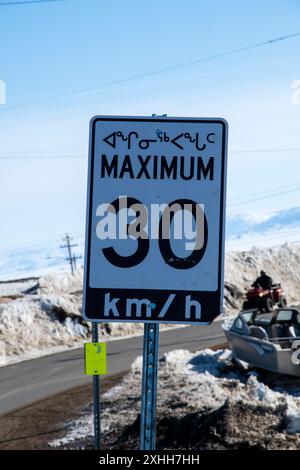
50 49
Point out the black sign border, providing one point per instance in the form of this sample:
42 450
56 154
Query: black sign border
91 296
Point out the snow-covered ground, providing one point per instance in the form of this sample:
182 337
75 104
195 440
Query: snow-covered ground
204 401
42 316
46 318
37 259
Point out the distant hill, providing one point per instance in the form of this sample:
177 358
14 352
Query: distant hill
244 231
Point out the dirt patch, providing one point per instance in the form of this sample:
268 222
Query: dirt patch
9 298
234 426
203 402
32 427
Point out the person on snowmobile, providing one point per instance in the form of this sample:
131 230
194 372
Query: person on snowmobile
263 281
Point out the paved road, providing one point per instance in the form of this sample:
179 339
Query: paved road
26 382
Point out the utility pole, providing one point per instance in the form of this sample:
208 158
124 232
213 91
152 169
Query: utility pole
71 256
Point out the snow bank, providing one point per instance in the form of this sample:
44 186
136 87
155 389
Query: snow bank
29 326
192 386
282 263
57 283
45 314
46 318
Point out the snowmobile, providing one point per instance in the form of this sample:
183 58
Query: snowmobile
265 299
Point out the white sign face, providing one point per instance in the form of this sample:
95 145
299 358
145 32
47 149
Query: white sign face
155 219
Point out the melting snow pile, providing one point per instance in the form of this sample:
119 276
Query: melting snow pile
204 402
44 315
47 318
282 263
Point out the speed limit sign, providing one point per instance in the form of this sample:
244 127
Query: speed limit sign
155 219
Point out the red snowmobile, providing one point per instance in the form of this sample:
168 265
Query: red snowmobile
265 299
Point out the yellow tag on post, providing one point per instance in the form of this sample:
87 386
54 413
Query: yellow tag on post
95 358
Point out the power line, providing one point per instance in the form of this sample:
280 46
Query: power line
154 72
26 2
263 238
43 157
262 193
295 149
238 201
77 234
49 157
8 249
254 199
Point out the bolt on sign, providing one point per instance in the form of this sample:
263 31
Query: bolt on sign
155 219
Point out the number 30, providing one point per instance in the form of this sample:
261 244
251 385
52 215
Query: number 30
164 243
